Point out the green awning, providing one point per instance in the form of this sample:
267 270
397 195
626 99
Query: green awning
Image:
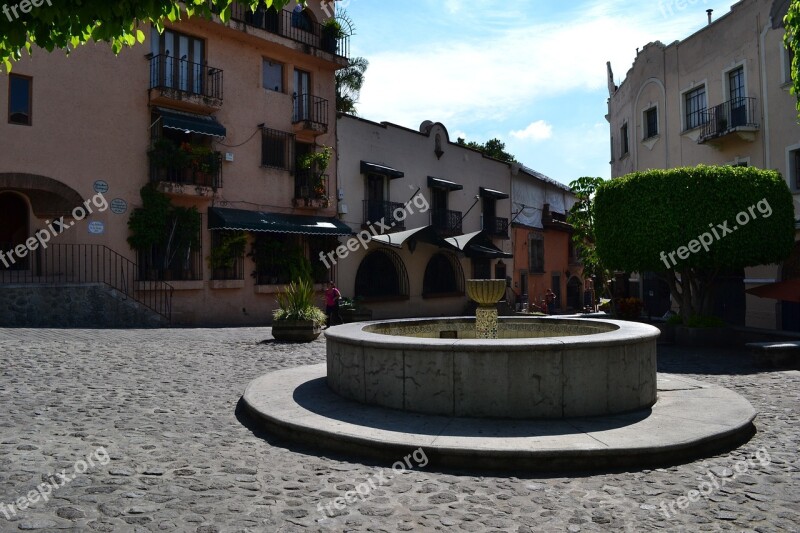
477 244
444 184
178 120
381 170
220 218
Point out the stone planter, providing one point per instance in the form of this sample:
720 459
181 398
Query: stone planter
295 330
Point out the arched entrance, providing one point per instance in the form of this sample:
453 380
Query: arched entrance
574 293
14 228
382 276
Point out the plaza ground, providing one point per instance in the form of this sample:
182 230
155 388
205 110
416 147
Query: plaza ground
164 404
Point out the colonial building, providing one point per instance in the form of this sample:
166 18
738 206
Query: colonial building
229 121
445 211
544 255
719 97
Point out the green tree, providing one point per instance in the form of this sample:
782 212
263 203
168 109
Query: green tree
66 24
791 39
689 224
582 219
349 81
494 148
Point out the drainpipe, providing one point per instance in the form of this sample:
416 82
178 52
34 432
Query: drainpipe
765 97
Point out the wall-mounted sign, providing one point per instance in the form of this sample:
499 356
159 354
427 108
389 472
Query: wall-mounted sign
119 206
101 186
97 227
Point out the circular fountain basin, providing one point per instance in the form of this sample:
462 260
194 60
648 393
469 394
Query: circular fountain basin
537 367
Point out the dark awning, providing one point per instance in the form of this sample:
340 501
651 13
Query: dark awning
178 120
381 170
491 193
477 244
444 184
220 218
788 290
423 234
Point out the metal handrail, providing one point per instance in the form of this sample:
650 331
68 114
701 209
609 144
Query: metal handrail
169 72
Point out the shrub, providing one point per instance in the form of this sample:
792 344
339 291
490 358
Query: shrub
297 303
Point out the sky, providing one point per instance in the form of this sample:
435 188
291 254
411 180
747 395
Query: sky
531 73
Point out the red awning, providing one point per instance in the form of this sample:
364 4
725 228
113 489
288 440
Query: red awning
788 291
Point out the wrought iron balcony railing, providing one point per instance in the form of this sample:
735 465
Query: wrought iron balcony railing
202 170
733 115
375 211
294 25
496 226
311 188
311 111
172 73
446 222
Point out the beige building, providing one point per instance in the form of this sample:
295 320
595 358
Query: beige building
720 97
445 209
217 116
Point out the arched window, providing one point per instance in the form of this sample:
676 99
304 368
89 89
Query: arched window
443 276
382 274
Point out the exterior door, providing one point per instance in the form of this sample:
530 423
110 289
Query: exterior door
302 94
13 228
737 100
375 198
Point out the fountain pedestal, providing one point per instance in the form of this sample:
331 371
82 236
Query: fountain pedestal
486 293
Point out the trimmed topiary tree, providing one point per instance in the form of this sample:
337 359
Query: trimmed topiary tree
688 224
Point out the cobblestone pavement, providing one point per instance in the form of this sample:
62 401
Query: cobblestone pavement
163 403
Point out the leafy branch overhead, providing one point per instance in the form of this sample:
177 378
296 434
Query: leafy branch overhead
66 24
792 41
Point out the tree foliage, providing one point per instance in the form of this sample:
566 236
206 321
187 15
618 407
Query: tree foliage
792 41
492 148
745 215
582 218
349 82
66 24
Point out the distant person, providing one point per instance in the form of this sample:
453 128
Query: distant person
550 301
332 297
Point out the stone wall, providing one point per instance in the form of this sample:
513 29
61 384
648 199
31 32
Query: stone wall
72 306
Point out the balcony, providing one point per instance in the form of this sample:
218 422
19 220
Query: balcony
198 87
310 114
734 117
383 211
496 227
311 189
185 169
446 222
297 27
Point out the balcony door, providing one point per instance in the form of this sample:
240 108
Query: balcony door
302 94
439 207
180 60
737 97
376 195
490 215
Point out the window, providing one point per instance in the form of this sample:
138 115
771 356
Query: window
180 258
227 255
794 168
695 107
20 97
651 122
737 97
382 275
535 252
624 140
179 61
273 76
277 149
443 275
301 19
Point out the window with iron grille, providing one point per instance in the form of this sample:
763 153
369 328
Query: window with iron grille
443 276
624 139
695 107
535 252
277 149
651 123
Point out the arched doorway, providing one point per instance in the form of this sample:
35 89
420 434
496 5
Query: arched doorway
443 276
14 224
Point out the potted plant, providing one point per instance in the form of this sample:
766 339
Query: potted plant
297 319
231 246
331 33
351 310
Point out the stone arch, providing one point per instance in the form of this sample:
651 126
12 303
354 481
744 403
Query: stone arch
49 198
382 275
443 275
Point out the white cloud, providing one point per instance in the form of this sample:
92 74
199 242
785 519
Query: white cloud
536 131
